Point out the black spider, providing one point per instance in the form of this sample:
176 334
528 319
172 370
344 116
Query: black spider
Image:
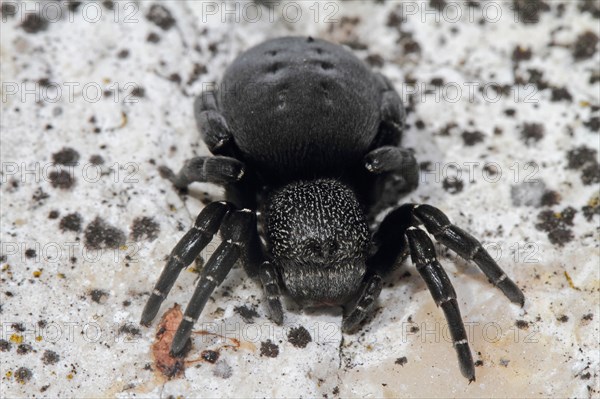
307 137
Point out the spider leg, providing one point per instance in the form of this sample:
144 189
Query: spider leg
219 170
423 256
212 124
187 249
235 231
398 160
270 282
467 247
357 311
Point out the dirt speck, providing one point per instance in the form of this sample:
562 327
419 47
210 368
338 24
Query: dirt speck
61 179
210 356
161 17
100 234
247 314
269 349
452 185
71 222
50 357
34 23
144 228
522 324
532 132
563 318
472 138
557 225
98 296
168 365
66 156
299 337
401 361
528 11
23 375
585 46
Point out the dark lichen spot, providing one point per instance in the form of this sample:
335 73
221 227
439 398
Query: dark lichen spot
30 253
61 179
98 296
299 337
401 361
34 23
5 346
247 314
472 138
452 185
521 54
529 11
96 160
23 375
560 94
210 356
563 318
153 38
588 317
522 324
578 157
585 46
550 198
592 208
53 214
532 132
100 234
557 225
138 91
66 156
593 124
161 17
437 4
269 349
71 222
479 363
144 228
591 174
50 357
130 330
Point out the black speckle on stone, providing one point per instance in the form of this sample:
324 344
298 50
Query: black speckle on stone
551 198
479 363
591 174
557 225
98 296
452 185
96 160
73 5
375 60
108 4
592 208
24 349
521 54
210 356
40 195
536 77
419 124
100 234
437 4
66 156
122 54
166 173
23 375
269 349
54 214
593 124
563 318
591 6
437 82
586 376
529 11
578 157
30 253
522 324
247 314
18 327
560 94
144 228
34 23
130 330
50 357
532 132
139 92
5 346
401 361
588 317
299 337
510 112
153 38
161 17
472 138
71 222
585 46
61 179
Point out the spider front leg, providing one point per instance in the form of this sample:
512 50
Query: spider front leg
236 231
359 309
212 124
218 170
423 256
187 249
397 160
270 282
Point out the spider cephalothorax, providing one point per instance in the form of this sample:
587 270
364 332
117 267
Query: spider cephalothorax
307 136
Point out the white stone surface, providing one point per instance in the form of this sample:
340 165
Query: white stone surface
552 356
